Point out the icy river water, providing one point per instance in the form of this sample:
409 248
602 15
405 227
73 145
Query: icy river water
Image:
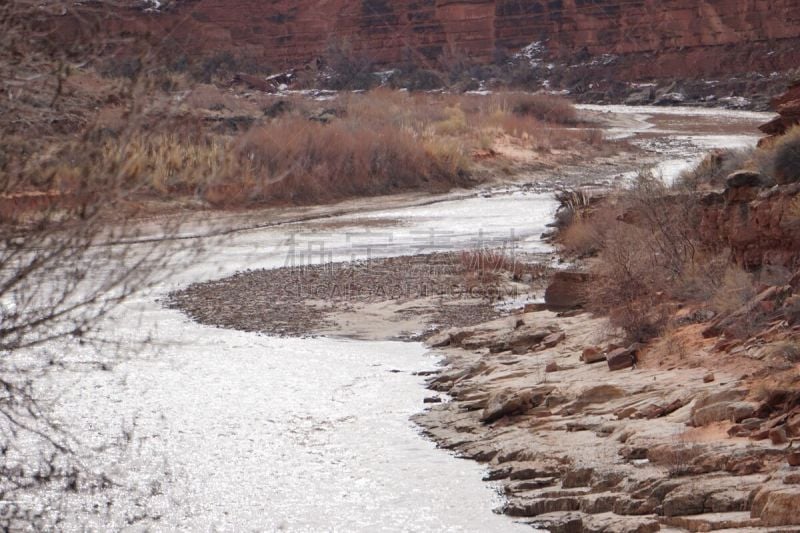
235 431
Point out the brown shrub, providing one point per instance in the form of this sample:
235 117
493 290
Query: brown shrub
649 257
252 148
581 239
627 282
584 218
788 350
299 161
734 291
544 107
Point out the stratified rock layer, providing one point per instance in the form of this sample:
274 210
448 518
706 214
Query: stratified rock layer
674 38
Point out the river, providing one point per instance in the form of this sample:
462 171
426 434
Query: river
235 431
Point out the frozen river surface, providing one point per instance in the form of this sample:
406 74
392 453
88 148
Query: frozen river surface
235 431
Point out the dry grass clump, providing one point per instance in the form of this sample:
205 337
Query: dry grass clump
166 164
547 108
734 291
539 136
486 261
299 161
487 267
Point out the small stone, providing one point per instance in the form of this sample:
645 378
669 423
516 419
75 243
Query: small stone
552 366
592 354
553 340
432 399
792 479
778 436
709 378
793 458
623 358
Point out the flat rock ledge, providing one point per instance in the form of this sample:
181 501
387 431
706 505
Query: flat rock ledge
581 446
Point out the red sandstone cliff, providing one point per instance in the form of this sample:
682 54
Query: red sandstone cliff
669 38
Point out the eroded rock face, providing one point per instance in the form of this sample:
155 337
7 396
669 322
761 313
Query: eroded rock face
777 506
788 108
758 225
567 290
691 38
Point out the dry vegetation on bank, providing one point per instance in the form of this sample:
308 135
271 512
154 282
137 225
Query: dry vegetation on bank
652 252
160 138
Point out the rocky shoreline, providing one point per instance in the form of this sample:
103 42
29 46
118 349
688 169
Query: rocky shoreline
694 431
583 434
579 447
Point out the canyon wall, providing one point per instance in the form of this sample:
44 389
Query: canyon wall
673 37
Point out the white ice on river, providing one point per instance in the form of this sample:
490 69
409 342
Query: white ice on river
236 431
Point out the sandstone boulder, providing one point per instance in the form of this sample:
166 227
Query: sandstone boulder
506 402
744 178
622 358
600 394
560 522
742 186
793 458
602 502
778 436
449 338
643 97
567 290
673 98
716 407
740 411
592 355
711 413
777 507
521 339
612 523
553 339
577 477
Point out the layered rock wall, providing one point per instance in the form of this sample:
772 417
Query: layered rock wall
691 37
